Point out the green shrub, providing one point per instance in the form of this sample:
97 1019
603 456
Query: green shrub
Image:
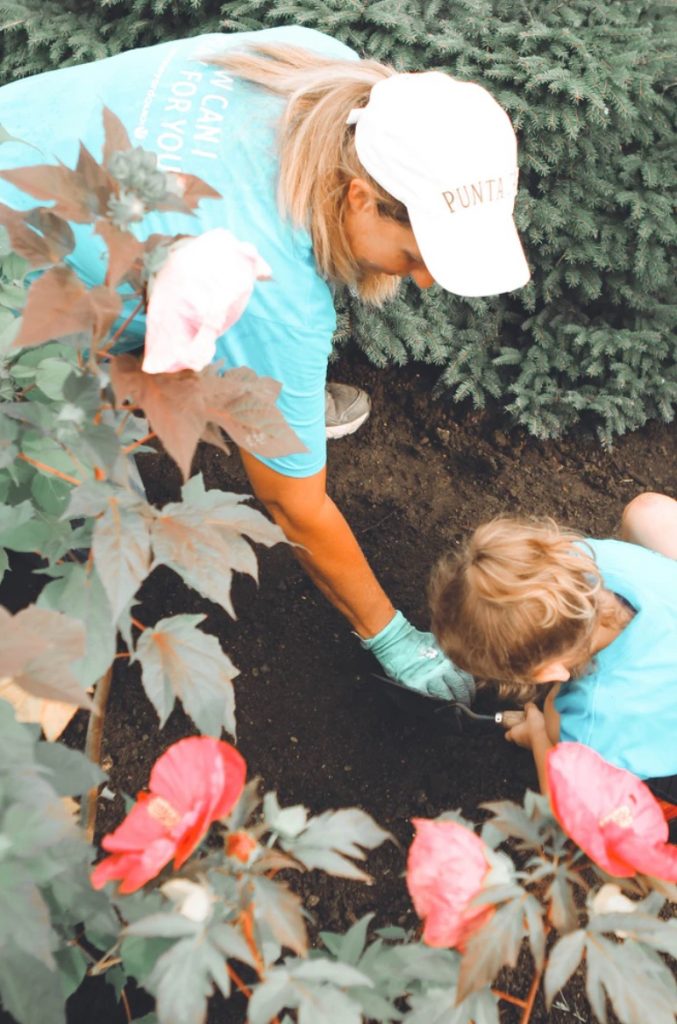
586 84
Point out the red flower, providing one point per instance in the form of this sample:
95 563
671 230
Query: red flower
195 782
446 868
609 813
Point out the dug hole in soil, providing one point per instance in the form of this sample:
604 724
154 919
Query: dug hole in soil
312 721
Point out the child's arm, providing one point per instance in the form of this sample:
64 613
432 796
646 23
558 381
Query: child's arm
533 734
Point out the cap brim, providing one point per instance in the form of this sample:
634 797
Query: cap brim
478 254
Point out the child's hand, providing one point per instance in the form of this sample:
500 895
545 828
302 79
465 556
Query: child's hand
511 718
524 733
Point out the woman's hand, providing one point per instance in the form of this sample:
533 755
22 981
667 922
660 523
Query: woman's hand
526 732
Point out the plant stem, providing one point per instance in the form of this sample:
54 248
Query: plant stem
139 625
137 444
531 998
50 469
121 328
125 1003
507 998
239 983
93 748
247 925
244 989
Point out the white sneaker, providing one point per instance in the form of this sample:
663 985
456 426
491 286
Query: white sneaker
345 409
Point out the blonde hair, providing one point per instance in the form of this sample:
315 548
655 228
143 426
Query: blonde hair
317 150
517 595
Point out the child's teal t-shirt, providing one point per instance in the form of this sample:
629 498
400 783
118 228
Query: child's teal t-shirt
625 708
200 121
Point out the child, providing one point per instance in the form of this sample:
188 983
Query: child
525 604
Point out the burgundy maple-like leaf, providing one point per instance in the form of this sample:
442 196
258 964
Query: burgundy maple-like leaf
116 137
243 404
105 305
171 401
58 304
54 182
192 189
181 406
124 250
37 650
96 179
49 243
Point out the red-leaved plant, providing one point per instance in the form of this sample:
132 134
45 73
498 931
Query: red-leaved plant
200 899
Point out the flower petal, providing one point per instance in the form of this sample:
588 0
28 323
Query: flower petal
200 772
201 290
609 813
446 867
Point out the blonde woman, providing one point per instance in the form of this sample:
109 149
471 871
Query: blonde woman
341 172
527 603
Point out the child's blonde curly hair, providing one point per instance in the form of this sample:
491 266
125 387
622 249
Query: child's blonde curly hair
517 595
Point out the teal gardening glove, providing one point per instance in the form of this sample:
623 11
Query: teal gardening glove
414 661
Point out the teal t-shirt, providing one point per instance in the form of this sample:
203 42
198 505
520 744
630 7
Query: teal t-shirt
625 707
200 121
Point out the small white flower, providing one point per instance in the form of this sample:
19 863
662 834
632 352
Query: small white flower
191 899
610 900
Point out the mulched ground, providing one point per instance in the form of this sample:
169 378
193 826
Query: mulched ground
312 722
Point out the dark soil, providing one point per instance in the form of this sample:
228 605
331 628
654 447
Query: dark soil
312 721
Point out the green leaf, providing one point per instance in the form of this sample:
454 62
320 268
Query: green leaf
231 943
139 956
512 820
349 947
50 493
333 837
282 912
496 944
70 772
644 928
438 1006
203 539
564 958
121 549
417 962
640 985
90 499
563 911
326 1005
534 914
269 997
29 990
24 915
51 376
178 660
83 594
169 925
14 516
289 822
181 983
72 964
322 970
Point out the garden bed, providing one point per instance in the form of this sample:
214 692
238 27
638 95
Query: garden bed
312 721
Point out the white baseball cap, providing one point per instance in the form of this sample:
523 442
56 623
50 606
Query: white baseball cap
447 150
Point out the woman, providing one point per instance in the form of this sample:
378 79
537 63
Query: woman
339 171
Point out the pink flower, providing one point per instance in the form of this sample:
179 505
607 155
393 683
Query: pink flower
200 291
609 813
195 782
446 868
